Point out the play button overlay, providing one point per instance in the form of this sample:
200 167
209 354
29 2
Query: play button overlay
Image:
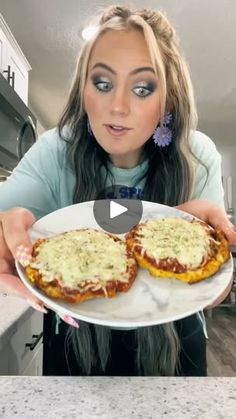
115 214
116 209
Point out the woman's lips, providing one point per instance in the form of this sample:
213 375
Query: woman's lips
116 131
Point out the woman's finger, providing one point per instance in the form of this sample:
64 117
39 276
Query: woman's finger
219 221
221 297
230 234
11 285
23 255
69 320
37 305
4 251
24 258
15 225
223 224
5 266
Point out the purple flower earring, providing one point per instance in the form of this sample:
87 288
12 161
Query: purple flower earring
162 136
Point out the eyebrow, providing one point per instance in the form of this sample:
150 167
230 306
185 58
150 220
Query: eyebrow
133 72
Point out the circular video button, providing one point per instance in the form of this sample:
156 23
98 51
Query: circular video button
117 215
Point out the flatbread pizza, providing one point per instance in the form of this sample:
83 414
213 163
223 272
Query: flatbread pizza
177 248
82 264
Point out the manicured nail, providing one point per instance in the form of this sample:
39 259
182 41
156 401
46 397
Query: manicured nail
37 306
23 255
69 320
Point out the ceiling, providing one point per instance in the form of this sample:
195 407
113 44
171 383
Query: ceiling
48 31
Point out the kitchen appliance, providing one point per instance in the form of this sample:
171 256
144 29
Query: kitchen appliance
17 128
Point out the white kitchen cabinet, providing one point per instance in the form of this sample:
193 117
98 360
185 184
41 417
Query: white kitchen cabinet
35 366
19 74
3 49
1 53
23 354
13 64
4 358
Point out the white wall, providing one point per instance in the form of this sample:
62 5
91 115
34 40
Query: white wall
40 126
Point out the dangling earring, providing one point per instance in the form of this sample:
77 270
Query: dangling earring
89 128
162 136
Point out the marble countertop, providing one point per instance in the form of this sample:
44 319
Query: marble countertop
117 397
13 312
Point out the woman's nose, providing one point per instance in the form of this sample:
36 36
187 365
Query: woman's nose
120 103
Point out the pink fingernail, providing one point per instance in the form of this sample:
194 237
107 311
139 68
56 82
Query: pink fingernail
70 321
37 306
21 247
23 255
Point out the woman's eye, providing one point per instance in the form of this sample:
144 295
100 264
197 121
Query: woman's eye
142 91
103 86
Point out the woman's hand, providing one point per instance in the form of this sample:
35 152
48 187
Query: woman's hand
221 297
217 218
13 233
15 242
211 214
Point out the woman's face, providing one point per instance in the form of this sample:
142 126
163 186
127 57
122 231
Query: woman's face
121 95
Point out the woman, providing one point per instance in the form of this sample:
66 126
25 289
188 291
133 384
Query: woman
130 120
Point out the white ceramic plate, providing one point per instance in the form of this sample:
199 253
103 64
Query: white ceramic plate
151 300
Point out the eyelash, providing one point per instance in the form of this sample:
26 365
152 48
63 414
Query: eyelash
96 84
149 90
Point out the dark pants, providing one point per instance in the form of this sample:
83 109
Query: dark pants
122 359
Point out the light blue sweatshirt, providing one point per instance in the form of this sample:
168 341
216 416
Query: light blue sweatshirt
43 181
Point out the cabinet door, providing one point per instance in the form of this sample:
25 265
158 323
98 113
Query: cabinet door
3 53
4 360
20 354
35 366
19 75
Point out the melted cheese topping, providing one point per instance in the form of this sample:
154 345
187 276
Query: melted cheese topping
78 256
176 238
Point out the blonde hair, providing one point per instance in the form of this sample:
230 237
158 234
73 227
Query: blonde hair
168 60
158 347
